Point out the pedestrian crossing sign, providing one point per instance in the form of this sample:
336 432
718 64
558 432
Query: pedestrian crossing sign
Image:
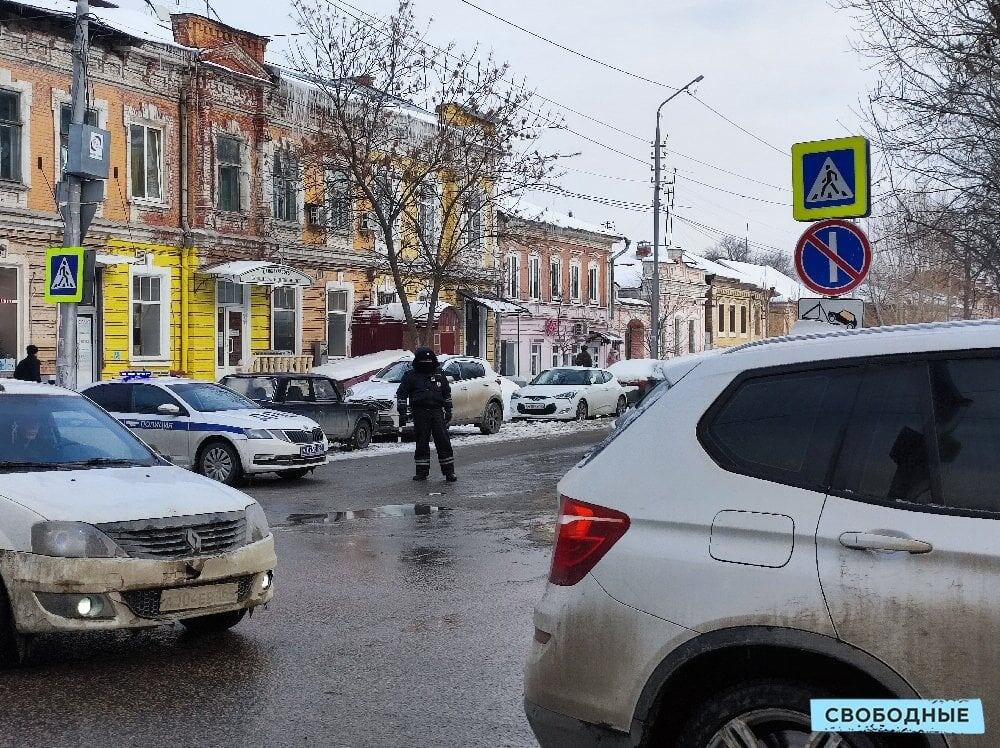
64 275
831 179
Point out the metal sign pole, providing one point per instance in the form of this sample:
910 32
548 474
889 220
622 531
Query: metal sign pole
66 335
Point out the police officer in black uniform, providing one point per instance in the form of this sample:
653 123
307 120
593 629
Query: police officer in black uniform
425 393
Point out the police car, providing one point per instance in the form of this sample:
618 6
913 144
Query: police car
98 532
211 429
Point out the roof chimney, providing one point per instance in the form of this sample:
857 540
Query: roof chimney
643 250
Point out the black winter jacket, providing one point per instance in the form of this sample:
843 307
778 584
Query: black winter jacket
423 391
29 369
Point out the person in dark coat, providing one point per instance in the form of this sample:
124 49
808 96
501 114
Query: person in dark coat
29 368
424 394
583 358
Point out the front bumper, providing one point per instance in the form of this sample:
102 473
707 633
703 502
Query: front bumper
554 730
270 455
132 585
554 409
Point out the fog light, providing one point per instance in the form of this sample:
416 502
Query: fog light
265 581
77 606
83 606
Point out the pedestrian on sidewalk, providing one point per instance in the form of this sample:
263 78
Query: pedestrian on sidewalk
583 358
29 368
425 394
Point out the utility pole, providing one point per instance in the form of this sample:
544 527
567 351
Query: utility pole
654 351
67 353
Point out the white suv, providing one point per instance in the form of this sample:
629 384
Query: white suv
810 517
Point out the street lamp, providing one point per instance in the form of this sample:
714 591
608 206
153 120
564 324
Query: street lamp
654 351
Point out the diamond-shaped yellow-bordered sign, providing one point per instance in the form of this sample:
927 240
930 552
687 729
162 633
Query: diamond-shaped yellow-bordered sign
831 179
64 275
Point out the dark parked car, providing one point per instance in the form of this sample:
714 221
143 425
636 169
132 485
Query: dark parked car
314 396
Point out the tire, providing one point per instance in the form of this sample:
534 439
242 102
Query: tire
296 474
220 461
11 642
582 411
622 406
362 435
492 418
214 623
761 712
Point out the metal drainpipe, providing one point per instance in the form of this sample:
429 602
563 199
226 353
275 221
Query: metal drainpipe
186 230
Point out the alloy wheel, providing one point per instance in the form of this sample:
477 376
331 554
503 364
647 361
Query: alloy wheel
362 436
622 406
218 464
774 728
582 411
493 418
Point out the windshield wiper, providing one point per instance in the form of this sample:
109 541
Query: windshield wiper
15 465
105 462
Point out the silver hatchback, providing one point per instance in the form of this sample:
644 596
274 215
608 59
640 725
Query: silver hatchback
813 517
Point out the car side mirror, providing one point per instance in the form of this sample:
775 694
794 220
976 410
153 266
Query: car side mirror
168 409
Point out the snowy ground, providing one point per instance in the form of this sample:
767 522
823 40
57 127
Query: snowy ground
470 435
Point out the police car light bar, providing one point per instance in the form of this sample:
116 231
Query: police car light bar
128 375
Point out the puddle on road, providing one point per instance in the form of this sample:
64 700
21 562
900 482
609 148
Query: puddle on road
378 512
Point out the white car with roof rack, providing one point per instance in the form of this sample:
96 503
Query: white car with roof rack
98 532
211 429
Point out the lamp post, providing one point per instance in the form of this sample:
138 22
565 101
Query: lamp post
654 351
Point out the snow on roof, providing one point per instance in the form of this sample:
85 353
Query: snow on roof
133 18
535 214
349 368
394 312
626 301
628 273
708 266
765 276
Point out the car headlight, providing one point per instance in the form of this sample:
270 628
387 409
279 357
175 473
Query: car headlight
257 434
565 396
515 396
72 540
257 528
350 392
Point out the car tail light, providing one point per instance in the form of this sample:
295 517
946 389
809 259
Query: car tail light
585 532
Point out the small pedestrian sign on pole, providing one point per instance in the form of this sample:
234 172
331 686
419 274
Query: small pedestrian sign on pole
831 179
64 275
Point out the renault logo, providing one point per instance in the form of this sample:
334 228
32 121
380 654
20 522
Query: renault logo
193 540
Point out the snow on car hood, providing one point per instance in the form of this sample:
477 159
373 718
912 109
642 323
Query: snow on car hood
119 494
374 389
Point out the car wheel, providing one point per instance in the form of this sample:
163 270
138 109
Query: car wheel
220 461
492 418
362 435
12 644
622 406
214 623
763 712
296 474
582 411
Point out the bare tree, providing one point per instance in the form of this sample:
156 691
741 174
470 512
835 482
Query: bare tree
730 248
430 141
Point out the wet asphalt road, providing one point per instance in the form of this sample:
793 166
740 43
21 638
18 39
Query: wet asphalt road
385 630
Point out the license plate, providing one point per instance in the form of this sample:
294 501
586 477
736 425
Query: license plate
206 596
535 406
311 450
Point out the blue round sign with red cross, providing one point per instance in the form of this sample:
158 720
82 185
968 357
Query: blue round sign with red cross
833 257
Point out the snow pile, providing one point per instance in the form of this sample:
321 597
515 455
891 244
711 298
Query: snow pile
635 369
351 368
508 387
470 436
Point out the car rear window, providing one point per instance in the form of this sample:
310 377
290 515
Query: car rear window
114 398
256 388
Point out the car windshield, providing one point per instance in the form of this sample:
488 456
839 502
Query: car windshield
211 398
575 377
53 432
256 388
394 372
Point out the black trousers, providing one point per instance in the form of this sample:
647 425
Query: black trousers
427 423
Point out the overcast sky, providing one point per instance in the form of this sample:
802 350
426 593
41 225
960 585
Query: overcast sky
783 69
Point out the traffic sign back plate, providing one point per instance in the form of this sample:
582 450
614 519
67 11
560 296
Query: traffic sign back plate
831 179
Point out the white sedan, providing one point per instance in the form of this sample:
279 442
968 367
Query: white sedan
568 393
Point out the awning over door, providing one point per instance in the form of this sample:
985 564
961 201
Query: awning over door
259 273
495 304
606 337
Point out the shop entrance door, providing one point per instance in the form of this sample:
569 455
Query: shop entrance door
232 352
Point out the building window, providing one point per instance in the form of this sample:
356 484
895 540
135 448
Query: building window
555 357
574 282
285 187
555 273
146 162
677 336
513 277
387 297
339 208
65 119
472 221
150 317
743 320
691 339
536 358
722 317
592 285
732 319
427 214
534 278
10 325
756 324
227 154
284 319
10 136
229 293
337 319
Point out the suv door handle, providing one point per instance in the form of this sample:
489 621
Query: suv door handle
869 541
